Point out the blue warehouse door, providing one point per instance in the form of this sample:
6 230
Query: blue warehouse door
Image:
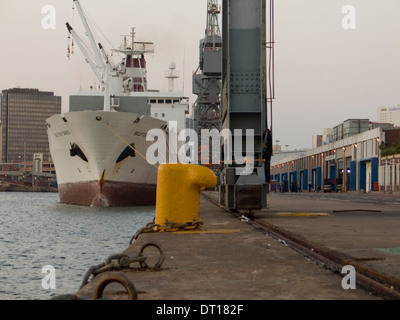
319 178
363 175
374 172
332 176
305 180
294 184
353 175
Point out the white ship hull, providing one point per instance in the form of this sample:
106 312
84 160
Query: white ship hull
94 163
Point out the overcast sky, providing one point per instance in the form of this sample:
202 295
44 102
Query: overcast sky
325 74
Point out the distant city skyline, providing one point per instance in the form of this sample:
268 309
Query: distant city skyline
335 59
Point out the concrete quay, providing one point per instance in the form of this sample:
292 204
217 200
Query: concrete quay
229 259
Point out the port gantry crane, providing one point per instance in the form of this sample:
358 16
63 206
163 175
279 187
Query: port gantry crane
207 86
235 86
247 91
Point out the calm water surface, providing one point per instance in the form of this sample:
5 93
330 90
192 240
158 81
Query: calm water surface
36 230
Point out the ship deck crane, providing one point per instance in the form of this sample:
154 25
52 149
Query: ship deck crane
101 66
85 53
100 62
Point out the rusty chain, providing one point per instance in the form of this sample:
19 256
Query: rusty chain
99 289
167 227
123 261
119 278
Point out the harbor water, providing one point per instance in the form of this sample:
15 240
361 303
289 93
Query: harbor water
36 231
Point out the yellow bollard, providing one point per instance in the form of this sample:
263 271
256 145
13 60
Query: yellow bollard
178 194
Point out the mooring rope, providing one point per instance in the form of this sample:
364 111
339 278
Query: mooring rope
123 140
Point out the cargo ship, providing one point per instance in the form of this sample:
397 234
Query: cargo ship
99 146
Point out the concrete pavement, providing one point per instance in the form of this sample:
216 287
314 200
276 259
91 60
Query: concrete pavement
231 260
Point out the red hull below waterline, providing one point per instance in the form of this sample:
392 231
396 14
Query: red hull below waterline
91 193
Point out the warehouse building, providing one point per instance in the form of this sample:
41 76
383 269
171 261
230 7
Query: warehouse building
348 163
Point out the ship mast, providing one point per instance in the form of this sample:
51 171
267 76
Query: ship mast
135 74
